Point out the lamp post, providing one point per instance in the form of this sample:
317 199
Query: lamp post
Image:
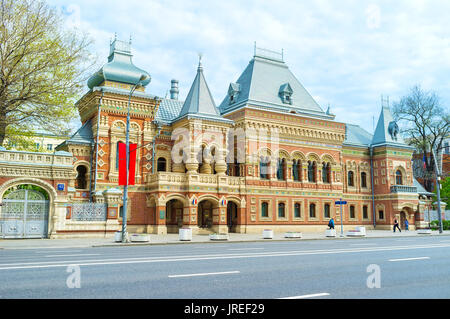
438 191
127 141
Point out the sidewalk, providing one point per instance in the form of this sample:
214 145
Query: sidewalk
174 239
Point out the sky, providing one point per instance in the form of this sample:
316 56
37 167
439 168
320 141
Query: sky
346 53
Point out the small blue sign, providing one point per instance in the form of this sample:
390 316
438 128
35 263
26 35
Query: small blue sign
60 187
342 202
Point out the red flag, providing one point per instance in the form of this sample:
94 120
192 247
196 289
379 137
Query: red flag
132 166
123 164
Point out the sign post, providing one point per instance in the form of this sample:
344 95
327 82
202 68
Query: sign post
341 202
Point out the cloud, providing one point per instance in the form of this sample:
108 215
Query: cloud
345 53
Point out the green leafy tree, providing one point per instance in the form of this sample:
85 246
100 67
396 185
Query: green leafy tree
445 192
42 69
425 123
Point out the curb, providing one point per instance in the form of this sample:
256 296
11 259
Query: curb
118 244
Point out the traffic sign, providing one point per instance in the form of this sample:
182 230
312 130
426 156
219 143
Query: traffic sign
342 202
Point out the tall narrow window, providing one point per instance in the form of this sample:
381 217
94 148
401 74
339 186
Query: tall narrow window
264 165
365 212
398 178
297 210
294 170
363 180
352 211
312 210
161 165
281 210
380 214
326 172
351 181
326 211
264 209
281 165
311 172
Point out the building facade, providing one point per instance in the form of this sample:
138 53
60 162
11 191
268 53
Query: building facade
267 157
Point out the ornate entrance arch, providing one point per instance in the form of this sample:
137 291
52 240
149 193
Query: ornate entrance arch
25 212
28 207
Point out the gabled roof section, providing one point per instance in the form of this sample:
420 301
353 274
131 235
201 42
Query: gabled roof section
387 131
83 136
199 102
261 83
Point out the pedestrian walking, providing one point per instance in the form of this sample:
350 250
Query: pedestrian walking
331 223
396 225
406 224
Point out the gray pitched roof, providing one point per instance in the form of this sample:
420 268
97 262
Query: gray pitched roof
387 131
260 84
420 189
357 136
168 110
199 102
82 136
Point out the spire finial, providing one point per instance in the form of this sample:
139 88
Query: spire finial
200 60
130 39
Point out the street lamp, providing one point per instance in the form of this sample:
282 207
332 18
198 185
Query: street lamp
438 191
125 188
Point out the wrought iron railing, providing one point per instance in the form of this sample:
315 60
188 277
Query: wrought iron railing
88 212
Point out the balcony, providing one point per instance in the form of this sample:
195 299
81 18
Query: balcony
183 179
403 189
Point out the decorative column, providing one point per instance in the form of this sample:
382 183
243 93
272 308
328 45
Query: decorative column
160 217
113 199
190 215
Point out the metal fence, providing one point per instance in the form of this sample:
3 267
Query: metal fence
433 215
89 212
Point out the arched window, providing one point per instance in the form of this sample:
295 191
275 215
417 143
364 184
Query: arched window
161 165
264 209
311 171
297 210
363 179
351 181
398 177
326 172
281 210
281 168
81 177
312 210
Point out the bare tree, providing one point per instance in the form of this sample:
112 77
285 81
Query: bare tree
424 123
43 66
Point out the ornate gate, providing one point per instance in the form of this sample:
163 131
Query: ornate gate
24 214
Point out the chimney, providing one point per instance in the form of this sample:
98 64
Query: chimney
174 90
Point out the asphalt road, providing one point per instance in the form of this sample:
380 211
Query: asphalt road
369 268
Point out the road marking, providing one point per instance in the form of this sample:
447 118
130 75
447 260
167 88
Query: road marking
307 296
206 274
64 251
93 262
363 244
245 248
75 255
406 259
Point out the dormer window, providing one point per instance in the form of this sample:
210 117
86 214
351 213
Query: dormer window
233 91
285 93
